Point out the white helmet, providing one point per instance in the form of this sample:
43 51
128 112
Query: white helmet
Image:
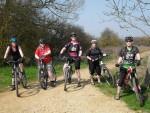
93 41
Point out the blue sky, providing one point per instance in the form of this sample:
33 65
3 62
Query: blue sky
91 18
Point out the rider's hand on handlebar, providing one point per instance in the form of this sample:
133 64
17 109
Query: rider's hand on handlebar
117 65
138 62
5 60
60 56
42 57
92 60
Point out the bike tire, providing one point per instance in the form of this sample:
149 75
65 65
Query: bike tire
16 84
46 81
66 78
43 79
109 79
137 91
24 81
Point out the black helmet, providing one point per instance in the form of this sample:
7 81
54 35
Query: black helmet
73 34
41 41
130 38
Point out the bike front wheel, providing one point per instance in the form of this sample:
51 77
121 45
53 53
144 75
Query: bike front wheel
43 79
108 78
138 92
66 76
16 83
24 81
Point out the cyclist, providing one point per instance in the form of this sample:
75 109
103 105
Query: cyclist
94 54
127 57
44 51
74 51
15 52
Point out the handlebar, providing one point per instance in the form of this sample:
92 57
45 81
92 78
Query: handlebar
136 62
14 62
42 57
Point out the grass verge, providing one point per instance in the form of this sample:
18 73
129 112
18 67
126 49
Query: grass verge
129 97
31 72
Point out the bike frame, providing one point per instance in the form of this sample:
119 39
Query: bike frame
43 68
15 67
129 76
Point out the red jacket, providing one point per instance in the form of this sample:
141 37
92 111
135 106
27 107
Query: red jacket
41 51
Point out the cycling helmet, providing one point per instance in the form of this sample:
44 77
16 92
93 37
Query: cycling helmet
73 34
41 41
93 41
130 39
13 39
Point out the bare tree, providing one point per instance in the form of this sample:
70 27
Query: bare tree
65 9
131 13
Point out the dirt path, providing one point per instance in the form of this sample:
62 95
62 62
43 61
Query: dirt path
86 99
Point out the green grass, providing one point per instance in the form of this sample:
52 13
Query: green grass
130 98
31 72
4 78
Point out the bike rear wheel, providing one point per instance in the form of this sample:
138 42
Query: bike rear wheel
137 91
108 78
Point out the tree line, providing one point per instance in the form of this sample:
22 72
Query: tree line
30 20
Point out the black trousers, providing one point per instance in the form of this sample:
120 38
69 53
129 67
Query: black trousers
94 67
122 76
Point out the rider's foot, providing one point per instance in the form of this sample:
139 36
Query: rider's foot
117 97
79 84
92 81
53 83
69 80
99 80
12 88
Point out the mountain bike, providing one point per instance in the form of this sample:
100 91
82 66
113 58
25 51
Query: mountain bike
131 81
67 72
18 76
43 74
106 76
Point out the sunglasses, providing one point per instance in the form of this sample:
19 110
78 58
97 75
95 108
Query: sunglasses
129 41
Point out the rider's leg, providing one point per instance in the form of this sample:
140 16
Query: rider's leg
117 97
21 68
78 74
12 82
98 71
91 70
50 72
122 76
77 68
